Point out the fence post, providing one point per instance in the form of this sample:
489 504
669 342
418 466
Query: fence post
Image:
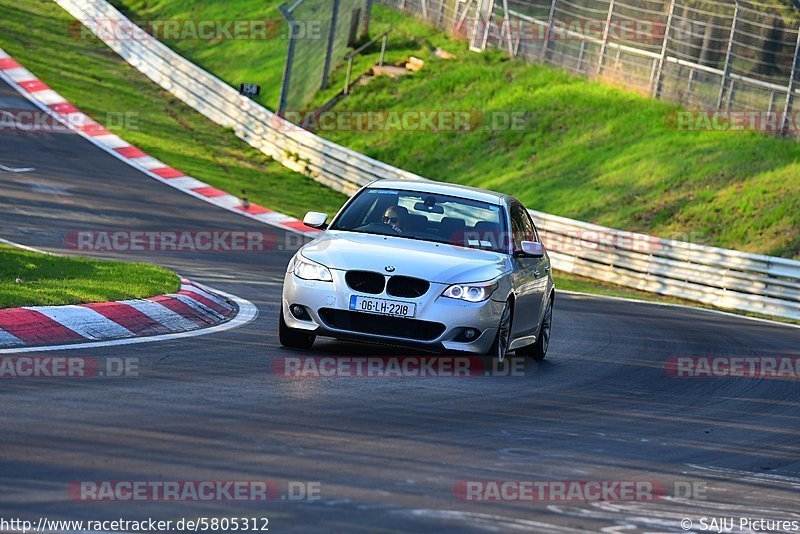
790 93
606 32
460 19
484 10
727 71
658 80
287 69
331 37
550 21
367 20
507 23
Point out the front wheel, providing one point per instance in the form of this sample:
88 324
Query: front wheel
503 338
538 351
292 337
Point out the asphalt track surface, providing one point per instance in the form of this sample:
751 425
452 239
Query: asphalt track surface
386 452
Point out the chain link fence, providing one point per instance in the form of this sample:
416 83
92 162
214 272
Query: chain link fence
725 56
319 33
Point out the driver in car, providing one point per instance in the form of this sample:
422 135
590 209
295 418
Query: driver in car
395 217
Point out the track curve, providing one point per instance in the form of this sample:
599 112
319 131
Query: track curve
387 452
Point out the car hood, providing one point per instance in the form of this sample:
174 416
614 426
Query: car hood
435 262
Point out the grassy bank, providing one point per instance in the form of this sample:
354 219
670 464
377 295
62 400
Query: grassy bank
45 39
33 279
581 149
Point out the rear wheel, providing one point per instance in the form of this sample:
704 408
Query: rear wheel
503 338
292 337
538 351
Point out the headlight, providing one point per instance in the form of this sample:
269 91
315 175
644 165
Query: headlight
471 292
309 270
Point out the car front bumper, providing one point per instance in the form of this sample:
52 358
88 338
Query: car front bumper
438 323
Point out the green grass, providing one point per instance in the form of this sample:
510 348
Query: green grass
34 279
43 37
585 150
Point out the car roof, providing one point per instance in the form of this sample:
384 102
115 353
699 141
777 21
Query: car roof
441 188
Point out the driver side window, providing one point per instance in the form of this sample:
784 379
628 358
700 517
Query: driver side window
521 226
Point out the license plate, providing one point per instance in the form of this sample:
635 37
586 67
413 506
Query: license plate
392 308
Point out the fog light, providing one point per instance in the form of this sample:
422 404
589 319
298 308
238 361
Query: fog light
469 333
299 312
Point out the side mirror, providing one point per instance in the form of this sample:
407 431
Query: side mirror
531 249
315 219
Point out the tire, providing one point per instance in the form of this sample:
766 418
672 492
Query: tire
538 351
503 338
293 338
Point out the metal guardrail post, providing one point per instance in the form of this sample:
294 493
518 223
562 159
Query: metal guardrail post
548 32
791 89
658 81
287 70
606 33
349 57
331 37
728 55
383 49
347 77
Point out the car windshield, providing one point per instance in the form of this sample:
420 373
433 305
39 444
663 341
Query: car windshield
427 217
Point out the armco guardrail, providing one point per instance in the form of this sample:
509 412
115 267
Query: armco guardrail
714 276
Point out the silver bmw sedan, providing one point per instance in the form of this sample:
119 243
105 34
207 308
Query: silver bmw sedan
423 264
